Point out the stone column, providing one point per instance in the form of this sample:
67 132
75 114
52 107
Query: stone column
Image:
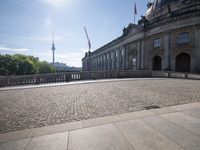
113 60
138 57
147 65
173 57
92 64
100 62
117 60
143 55
123 59
115 64
197 49
167 49
95 64
105 60
120 59
108 61
126 57
104 57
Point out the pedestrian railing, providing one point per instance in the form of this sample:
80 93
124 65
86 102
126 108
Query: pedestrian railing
90 75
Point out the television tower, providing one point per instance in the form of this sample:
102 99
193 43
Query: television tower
53 50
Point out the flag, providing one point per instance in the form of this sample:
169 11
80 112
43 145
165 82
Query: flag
135 9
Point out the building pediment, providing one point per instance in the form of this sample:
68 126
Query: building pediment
131 30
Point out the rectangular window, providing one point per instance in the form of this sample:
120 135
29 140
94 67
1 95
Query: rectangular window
156 43
183 38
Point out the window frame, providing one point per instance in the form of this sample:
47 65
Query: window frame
154 43
183 40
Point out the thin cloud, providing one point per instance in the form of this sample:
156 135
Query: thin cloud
46 38
3 48
73 59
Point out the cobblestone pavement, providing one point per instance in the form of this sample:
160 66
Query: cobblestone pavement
36 107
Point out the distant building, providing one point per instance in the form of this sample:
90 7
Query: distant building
166 38
62 67
59 66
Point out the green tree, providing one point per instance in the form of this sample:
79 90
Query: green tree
26 67
23 65
45 67
26 64
8 65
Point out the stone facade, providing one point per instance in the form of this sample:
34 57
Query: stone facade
166 38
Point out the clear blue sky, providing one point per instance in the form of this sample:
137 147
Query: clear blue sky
26 26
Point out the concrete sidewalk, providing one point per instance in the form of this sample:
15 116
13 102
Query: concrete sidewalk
173 128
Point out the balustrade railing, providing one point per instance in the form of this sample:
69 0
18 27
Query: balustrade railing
188 11
91 75
169 74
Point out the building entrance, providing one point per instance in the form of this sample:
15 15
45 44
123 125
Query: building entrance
157 63
183 62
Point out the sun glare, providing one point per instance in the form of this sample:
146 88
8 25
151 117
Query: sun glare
56 3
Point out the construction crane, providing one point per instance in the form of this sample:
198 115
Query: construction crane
89 44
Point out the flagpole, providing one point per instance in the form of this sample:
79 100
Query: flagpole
135 11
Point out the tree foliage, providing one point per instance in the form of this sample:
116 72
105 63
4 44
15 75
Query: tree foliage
23 65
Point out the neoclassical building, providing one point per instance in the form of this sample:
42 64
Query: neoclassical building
166 38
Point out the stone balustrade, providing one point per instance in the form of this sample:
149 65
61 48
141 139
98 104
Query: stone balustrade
90 75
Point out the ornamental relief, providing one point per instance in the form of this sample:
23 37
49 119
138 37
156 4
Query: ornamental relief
178 51
132 53
159 52
132 46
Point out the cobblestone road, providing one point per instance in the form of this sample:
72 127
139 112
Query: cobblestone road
36 107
